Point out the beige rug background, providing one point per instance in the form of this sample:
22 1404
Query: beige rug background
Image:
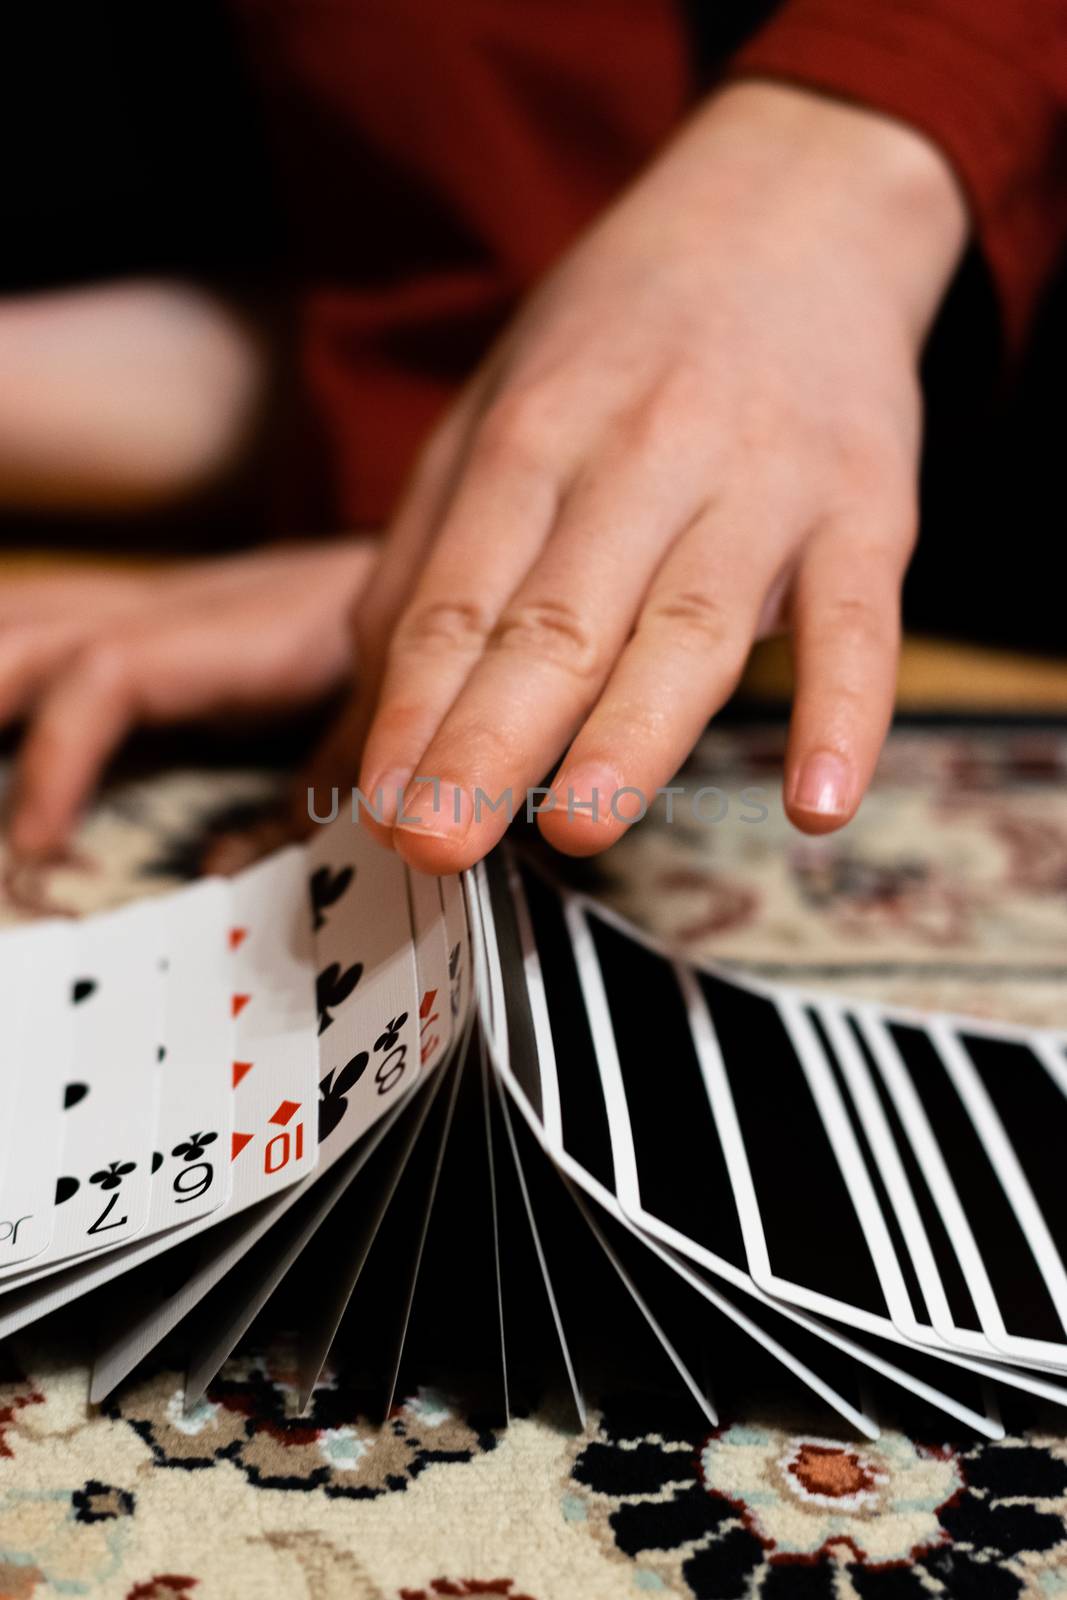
949 890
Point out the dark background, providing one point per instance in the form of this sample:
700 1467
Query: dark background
134 144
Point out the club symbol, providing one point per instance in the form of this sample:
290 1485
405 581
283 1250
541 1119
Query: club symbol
111 1176
192 1148
326 889
387 1039
333 987
333 1092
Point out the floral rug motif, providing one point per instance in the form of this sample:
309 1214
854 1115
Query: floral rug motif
950 890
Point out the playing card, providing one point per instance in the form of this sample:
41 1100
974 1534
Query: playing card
457 938
275 1068
430 933
241 1272
590 1144
192 1157
36 1040
803 1238
938 1308
367 986
342 1270
1018 1312
623 1135
1019 1110
116 997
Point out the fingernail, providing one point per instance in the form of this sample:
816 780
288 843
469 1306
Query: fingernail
383 797
823 785
596 794
436 811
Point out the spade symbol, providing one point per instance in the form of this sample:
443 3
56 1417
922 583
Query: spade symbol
73 1093
81 989
65 1187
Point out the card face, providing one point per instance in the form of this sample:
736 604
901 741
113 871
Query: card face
366 984
1017 1312
431 963
37 1039
116 1001
273 948
192 1175
274 1067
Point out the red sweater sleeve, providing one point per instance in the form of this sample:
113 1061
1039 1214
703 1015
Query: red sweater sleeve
985 80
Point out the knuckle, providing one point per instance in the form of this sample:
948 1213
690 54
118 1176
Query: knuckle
105 663
453 627
652 428
550 631
694 620
519 428
854 619
477 744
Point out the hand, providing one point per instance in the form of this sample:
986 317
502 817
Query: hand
85 655
705 425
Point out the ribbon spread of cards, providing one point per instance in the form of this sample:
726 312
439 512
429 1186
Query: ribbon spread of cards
480 1131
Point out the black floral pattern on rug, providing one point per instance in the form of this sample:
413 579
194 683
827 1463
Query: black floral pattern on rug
247 1418
755 1513
101 1502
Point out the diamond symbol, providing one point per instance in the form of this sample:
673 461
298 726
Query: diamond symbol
286 1111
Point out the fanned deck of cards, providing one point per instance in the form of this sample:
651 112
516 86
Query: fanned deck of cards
480 1133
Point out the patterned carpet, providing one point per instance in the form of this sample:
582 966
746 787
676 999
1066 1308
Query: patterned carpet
951 889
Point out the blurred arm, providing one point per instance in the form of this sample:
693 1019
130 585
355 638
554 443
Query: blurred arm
122 396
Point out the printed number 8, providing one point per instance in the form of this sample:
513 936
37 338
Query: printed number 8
391 1070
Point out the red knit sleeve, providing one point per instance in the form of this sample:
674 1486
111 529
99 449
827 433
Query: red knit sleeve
986 80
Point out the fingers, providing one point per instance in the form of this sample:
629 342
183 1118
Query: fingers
495 526
283 645
28 657
185 667
337 758
846 647
80 723
689 646
545 661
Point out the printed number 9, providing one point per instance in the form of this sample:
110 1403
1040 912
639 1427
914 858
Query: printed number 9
186 1190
